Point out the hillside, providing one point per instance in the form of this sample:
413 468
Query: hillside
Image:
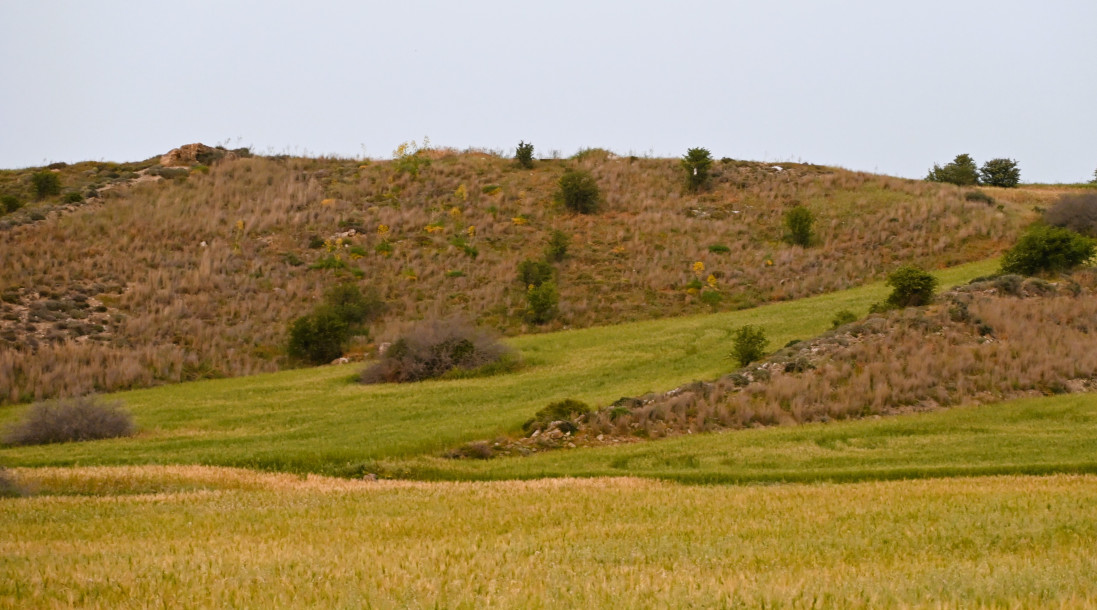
171 274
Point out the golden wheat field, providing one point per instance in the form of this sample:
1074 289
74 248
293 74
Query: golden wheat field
212 538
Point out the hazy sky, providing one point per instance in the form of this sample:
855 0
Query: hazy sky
878 86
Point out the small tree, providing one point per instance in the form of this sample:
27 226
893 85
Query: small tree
1048 249
578 191
961 171
46 184
524 155
697 163
799 221
911 287
1000 172
557 248
748 344
318 337
534 273
543 302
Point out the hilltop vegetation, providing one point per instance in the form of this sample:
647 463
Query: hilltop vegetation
172 274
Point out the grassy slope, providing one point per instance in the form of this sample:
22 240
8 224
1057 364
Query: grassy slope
221 538
318 420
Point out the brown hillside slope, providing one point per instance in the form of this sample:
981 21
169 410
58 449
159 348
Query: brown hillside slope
198 275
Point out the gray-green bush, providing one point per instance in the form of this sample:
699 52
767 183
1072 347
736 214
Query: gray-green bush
433 349
73 419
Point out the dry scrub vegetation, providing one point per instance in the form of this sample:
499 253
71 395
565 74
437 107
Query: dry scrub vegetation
198 275
985 342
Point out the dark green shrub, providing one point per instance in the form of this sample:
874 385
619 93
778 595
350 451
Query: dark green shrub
567 410
719 249
433 349
980 196
961 171
697 162
73 197
911 287
842 318
10 203
352 305
557 248
45 184
1075 212
578 191
1000 172
534 273
1045 248
748 344
318 337
799 221
523 155
712 298
543 302
74 419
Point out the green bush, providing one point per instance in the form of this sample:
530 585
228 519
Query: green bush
45 184
719 249
1000 172
534 273
557 248
69 420
318 337
9 204
961 171
697 162
524 155
567 410
799 221
73 197
352 305
433 349
1045 248
748 344
842 318
578 191
543 302
911 287
1077 212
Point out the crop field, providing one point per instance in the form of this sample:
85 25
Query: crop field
201 537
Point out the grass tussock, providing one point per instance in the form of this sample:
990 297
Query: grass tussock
197 276
70 420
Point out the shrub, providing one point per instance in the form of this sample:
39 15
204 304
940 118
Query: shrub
352 306
10 203
748 344
46 184
578 191
73 197
318 337
911 287
534 273
1045 248
567 410
980 196
719 249
1000 172
842 318
432 349
697 163
524 155
557 248
73 419
798 221
543 302
961 172
1075 212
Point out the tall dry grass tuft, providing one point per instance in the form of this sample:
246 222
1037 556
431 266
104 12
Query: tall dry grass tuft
198 276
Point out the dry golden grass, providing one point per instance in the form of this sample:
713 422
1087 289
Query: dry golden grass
225 538
199 277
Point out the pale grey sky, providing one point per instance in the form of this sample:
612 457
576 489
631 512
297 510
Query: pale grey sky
878 86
